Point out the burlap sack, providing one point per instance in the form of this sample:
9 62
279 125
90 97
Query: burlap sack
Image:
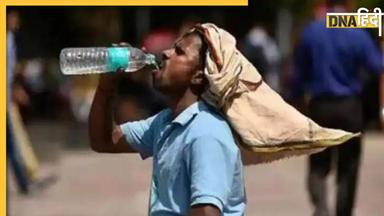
266 127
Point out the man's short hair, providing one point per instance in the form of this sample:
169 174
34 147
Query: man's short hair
203 48
202 56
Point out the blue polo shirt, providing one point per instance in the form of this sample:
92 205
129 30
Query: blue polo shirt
328 61
195 161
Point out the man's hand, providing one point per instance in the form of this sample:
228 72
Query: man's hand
204 210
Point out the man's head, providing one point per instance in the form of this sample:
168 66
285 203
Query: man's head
183 66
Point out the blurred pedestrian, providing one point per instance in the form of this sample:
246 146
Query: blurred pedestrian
19 149
13 152
327 65
262 51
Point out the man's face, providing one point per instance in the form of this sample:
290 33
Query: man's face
180 64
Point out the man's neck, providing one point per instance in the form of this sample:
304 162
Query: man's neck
179 103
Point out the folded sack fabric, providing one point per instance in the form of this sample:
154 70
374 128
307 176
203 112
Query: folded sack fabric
265 126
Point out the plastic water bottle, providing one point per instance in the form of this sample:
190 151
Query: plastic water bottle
74 61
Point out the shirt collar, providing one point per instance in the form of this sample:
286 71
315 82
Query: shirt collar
184 117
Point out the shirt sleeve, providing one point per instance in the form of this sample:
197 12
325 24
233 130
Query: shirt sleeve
211 166
370 55
139 135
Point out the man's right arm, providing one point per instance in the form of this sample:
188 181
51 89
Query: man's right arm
104 137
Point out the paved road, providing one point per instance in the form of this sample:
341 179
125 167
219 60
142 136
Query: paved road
93 184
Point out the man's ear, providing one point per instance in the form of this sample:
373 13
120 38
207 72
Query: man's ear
198 78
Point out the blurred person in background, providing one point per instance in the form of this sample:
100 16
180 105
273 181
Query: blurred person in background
262 51
327 65
189 176
19 148
17 94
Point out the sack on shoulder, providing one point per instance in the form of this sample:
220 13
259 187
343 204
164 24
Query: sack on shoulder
265 126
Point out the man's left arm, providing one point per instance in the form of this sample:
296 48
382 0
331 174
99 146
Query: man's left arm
211 167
